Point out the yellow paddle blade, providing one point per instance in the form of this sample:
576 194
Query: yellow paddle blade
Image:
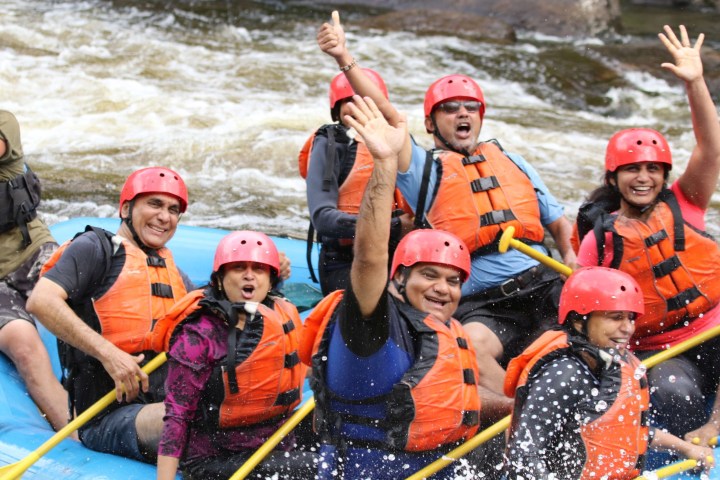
15 470
272 442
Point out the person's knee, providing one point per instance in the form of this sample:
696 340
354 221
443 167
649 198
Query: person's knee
149 424
21 342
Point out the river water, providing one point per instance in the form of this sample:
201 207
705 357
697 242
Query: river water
227 92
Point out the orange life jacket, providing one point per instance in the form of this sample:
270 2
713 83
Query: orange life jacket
429 407
676 265
267 382
617 438
144 291
351 191
479 196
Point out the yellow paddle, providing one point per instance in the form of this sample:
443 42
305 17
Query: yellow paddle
507 240
711 443
672 469
15 470
272 442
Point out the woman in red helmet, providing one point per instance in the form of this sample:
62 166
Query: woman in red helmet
337 167
657 234
581 397
100 294
234 373
394 375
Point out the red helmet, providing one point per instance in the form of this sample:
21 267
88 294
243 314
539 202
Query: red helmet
340 88
154 180
453 86
636 145
432 246
247 246
591 289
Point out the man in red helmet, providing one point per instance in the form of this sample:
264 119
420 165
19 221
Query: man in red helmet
337 168
394 375
100 295
476 190
636 223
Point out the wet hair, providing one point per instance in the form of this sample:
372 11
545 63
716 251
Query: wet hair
573 317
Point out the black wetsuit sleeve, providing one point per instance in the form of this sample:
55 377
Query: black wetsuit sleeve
81 268
323 205
545 436
363 336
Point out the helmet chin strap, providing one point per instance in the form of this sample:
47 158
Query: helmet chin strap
436 132
400 287
135 237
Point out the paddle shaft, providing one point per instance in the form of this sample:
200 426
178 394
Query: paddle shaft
15 470
272 442
507 240
671 469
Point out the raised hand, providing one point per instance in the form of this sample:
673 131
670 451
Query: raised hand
383 140
688 65
331 37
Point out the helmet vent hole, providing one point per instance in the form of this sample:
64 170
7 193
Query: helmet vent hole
162 174
622 287
447 244
639 142
243 242
654 142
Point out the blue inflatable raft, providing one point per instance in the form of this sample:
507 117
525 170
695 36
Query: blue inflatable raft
22 428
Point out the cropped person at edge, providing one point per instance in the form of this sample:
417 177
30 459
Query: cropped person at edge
656 233
25 245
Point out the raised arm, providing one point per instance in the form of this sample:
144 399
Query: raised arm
699 180
331 40
369 271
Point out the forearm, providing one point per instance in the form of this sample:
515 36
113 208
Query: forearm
48 304
561 231
704 117
167 467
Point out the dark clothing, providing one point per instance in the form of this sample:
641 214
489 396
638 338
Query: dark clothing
520 317
686 383
335 228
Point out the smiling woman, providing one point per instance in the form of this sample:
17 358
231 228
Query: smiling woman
656 233
580 396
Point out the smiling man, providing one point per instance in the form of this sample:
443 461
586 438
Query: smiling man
100 294
394 374
476 190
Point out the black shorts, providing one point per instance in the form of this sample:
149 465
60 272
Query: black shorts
16 287
519 318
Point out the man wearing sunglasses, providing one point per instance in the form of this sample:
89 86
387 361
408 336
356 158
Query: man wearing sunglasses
476 190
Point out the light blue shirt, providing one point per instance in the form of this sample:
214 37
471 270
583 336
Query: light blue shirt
493 268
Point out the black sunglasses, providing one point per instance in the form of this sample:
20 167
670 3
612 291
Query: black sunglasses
453 106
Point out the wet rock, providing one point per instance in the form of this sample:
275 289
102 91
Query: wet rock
435 22
559 17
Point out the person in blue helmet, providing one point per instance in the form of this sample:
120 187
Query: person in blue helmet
394 375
